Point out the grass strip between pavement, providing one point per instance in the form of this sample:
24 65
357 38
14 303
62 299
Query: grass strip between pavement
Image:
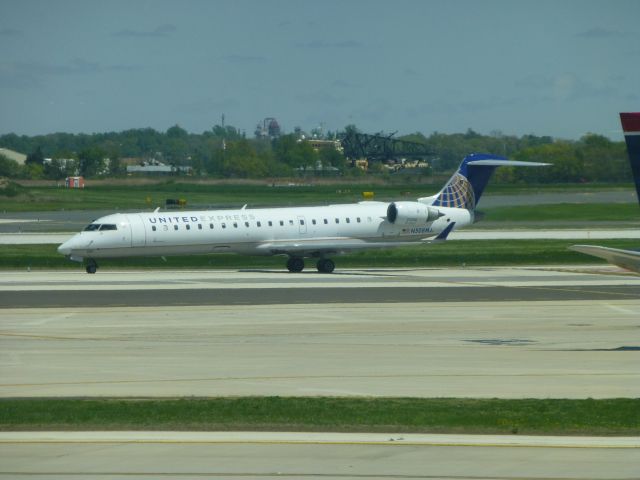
452 253
437 415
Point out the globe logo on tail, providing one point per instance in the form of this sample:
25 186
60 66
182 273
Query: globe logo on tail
457 194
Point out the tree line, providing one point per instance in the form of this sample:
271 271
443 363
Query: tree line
225 152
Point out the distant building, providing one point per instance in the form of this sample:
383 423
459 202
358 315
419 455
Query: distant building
63 163
158 168
12 155
318 169
74 182
268 128
325 144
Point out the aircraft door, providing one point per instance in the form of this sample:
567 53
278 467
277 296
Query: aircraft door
302 224
138 233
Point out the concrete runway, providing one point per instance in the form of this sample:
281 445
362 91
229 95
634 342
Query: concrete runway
490 332
478 332
110 288
152 455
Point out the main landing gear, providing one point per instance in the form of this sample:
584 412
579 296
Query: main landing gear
324 265
295 264
92 266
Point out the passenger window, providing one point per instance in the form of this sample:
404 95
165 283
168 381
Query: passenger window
301 222
270 223
337 220
199 226
188 227
235 225
211 226
326 221
358 219
290 222
281 223
348 220
313 221
246 224
224 225
175 227
259 224
153 227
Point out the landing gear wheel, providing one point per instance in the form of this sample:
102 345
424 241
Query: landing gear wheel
295 264
325 265
92 267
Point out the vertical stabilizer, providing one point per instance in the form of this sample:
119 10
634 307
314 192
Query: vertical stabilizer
465 187
631 128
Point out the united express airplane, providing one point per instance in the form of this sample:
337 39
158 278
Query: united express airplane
629 259
297 232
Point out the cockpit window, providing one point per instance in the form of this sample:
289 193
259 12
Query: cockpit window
92 227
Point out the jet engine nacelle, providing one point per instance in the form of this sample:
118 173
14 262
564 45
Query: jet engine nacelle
410 213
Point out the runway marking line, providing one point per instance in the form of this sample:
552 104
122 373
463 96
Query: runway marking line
317 377
50 337
539 287
284 475
391 443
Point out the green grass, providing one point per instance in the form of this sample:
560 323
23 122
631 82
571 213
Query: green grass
131 196
451 253
440 415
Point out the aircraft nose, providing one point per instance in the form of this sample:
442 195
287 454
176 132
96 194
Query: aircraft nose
65 248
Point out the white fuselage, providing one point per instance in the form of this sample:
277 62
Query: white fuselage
307 231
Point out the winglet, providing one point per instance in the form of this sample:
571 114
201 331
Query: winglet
442 236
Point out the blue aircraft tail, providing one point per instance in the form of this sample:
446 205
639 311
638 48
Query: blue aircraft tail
631 127
465 187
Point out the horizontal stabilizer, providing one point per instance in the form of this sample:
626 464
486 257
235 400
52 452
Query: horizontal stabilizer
506 163
445 233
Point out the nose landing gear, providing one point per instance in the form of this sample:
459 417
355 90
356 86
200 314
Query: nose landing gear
92 266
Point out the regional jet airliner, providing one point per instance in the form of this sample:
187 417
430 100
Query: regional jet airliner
295 232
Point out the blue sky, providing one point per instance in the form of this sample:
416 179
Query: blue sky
559 68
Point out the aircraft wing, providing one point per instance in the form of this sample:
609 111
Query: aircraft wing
629 259
329 246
